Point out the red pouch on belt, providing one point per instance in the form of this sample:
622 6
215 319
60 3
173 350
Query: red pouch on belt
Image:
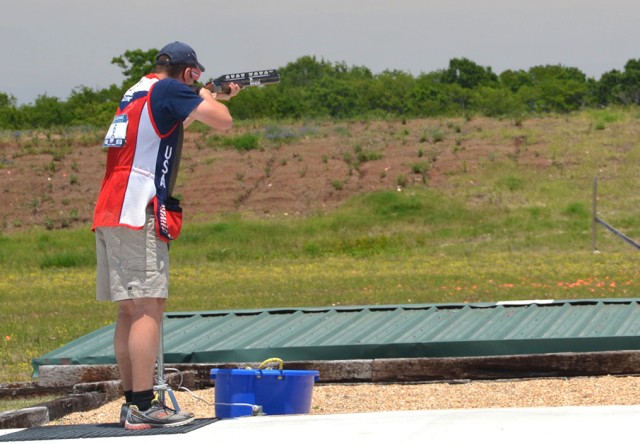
168 218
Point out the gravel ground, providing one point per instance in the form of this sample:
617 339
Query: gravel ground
353 398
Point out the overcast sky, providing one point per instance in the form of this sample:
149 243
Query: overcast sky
52 46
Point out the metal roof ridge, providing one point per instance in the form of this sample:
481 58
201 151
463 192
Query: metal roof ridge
391 307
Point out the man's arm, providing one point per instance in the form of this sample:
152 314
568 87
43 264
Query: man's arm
211 112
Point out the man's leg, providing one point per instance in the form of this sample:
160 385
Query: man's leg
136 342
121 347
142 319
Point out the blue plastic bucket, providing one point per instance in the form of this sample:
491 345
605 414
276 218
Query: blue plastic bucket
241 392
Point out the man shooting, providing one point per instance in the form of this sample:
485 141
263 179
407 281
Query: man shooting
136 216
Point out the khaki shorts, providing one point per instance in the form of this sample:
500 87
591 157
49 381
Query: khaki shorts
131 263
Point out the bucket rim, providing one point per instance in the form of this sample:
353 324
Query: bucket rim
264 372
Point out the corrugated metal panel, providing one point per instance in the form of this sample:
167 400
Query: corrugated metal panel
431 330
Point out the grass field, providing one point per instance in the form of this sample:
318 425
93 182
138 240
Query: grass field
502 232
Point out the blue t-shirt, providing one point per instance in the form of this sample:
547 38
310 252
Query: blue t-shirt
171 101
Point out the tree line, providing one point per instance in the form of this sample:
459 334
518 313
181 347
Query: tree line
312 88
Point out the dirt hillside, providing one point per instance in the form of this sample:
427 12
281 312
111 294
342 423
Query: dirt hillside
52 181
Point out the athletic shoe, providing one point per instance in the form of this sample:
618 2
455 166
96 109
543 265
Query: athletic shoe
124 411
158 415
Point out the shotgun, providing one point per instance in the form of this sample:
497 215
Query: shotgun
243 79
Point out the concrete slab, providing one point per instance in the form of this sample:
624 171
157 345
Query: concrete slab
523 425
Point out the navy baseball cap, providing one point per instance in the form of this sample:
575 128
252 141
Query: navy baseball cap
179 54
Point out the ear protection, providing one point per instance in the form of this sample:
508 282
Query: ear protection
195 74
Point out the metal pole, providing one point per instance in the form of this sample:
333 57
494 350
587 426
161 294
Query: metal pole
597 220
621 235
594 211
161 385
160 363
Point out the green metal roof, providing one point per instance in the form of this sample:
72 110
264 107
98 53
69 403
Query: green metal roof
369 332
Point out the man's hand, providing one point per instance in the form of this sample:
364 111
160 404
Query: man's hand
205 92
234 89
